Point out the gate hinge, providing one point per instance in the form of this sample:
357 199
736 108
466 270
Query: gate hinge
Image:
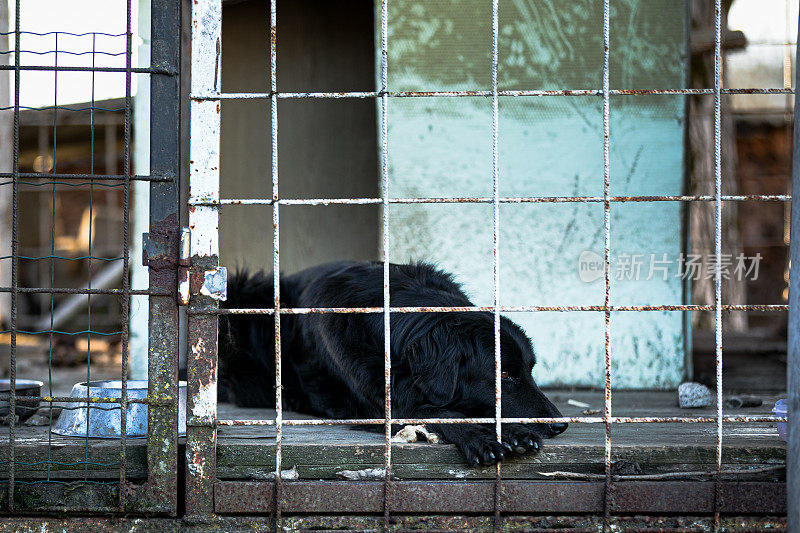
212 283
158 249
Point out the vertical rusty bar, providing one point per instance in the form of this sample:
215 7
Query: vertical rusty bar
204 136
793 363
496 259
387 354
12 402
276 260
126 288
608 494
162 419
718 247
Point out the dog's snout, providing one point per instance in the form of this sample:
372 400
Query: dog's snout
558 428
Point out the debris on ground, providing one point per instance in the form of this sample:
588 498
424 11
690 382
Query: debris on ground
589 412
693 395
576 403
38 420
288 475
368 474
743 400
625 467
412 434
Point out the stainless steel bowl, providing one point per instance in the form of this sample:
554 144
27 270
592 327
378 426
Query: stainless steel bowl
104 420
23 387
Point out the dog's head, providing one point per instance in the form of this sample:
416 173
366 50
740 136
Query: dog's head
452 361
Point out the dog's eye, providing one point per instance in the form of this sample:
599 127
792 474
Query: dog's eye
504 375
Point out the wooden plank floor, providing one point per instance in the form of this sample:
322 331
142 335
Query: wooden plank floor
751 451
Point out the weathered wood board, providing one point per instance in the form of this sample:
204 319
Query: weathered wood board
322 452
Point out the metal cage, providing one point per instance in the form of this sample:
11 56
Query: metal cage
206 495
185 483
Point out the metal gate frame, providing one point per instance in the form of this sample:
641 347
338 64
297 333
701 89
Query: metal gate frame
159 494
207 497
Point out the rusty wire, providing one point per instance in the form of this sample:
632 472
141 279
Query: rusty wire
485 309
507 420
496 258
487 94
276 263
387 356
126 288
607 412
718 248
12 403
486 200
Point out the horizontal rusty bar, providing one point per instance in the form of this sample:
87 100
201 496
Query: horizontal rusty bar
54 68
564 523
484 309
99 177
485 94
164 401
485 200
508 420
541 497
66 290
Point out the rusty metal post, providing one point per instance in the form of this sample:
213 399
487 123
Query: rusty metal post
201 410
162 421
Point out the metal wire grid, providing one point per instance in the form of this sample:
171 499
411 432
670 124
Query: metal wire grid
56 179
205 135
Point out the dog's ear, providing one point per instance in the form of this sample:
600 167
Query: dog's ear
433 359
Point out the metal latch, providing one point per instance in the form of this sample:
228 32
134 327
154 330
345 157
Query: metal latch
214 283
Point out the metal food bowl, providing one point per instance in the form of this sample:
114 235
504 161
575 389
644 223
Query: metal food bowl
104 420
22 387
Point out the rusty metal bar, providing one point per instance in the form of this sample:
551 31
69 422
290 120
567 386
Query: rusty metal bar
94 177
126 297
519 497
12 404
201 409
718 248
68 399
460 94
607 407
486 200
503 309
387 354
164 228
127 70
496 260
509 420
64 290
276 264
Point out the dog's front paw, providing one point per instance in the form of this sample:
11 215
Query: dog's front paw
480 447
521 439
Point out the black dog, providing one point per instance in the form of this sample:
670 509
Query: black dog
442 363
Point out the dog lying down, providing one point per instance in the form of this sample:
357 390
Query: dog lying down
442 363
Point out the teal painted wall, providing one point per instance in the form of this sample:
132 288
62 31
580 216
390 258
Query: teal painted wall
548 146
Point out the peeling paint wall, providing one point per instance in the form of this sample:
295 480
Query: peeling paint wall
549 146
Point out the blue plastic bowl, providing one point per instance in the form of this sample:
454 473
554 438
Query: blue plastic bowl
780 410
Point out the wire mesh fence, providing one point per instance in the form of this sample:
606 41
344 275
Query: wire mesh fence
68 167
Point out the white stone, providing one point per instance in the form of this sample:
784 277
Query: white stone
694 395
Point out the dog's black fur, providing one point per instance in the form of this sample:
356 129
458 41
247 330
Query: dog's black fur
442 363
